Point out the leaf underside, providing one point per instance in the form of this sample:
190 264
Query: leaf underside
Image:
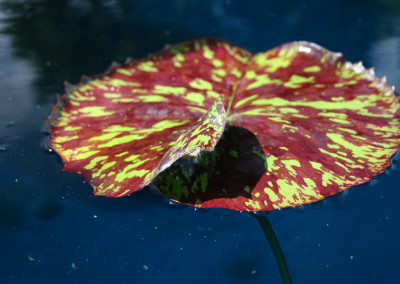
321 125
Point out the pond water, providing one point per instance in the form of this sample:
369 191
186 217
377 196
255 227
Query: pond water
53 230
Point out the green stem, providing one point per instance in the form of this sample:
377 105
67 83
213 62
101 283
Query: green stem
273 242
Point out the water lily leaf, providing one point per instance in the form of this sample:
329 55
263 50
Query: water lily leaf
322 123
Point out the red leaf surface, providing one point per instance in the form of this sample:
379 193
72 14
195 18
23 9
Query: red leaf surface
324 124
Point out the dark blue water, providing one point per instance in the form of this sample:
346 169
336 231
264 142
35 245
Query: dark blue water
52 230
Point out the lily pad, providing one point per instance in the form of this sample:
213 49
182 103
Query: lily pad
323 124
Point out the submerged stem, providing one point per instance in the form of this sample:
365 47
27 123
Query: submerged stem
273 242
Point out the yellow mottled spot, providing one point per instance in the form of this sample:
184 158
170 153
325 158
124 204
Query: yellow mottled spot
329 177
157 148
83 149
288 110
95 111
200 84
125 100
98 84
72 128
153 99
241 58
286 125
147 66
85 155
213 94
74 103
300 115
342 166
261 80
314 68
78 97
214 77
341 121
125 72
319 86
347 83
85 88
207 52
122 193
245 100
284 148
346 72
167 90
293 189
131 158
61 139
289 164
347 130
94 162
177 64
219 72
296 81
195 97
251 74
140 91
254 204
121 154
273 63
271 194
121 83
310 188
162 125
360 137
110 186
279 119
333 146
271 163
112 95
335 155
102 169
236 73
217 63
179 57
126 173
316 165
333 114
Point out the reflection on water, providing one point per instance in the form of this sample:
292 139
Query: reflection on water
15 86
65 39
385 57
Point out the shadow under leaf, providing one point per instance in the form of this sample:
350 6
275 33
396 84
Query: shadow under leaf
231 170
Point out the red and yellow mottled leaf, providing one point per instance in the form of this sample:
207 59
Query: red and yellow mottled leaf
120 130
323 124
